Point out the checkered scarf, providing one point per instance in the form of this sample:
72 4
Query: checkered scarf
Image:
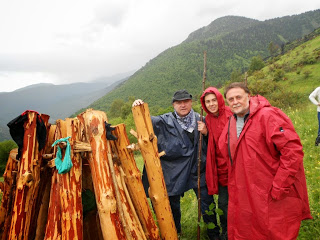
188 122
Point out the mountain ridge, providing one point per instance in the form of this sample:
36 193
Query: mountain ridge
232 48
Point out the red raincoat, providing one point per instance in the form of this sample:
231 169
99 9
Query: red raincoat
267 186
216 166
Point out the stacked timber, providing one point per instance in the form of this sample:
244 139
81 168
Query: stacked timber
43 198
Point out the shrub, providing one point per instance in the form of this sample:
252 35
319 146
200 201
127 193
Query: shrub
278 75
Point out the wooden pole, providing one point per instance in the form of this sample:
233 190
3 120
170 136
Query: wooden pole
44 205
93 122
40 178
71 185
157 191
200 145
133 181
246 78
65 209
9 188
28 179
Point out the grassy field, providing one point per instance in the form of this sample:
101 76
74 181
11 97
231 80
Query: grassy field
305 122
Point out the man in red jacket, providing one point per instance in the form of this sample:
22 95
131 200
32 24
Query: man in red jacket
216 166
266 181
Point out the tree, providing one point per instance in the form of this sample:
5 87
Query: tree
257 63
236 76
115 109
273 48
5 148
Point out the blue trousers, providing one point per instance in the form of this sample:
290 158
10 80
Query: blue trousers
206 200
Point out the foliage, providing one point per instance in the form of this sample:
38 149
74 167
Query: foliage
5 148
229 42
256 64
236 76
273 48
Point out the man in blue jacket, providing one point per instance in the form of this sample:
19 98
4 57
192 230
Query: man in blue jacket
178 136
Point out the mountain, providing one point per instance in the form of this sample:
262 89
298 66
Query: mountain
230 43
58 101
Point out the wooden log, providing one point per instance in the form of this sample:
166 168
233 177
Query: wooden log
28 179
95 134
70 185
9 188
72 217
46 187
157 191
132 222
53 227
40 179
133 182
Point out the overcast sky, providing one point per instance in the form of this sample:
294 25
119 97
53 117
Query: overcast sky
65 41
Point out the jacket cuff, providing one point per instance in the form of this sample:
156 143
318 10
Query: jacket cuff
278 193
223 180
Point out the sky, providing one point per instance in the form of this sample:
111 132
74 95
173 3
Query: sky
65 41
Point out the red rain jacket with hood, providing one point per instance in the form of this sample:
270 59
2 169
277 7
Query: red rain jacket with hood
216 166
266 181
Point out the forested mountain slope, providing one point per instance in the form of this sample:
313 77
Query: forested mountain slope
230 43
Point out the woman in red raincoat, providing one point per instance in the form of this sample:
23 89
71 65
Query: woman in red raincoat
266 181
216 166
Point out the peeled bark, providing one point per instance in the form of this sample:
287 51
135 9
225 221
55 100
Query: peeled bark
40 178
9 188
28 182
70 184
133 181
93 122
65 210
157 191
44 204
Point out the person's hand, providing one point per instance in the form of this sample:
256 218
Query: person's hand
137 102
202 128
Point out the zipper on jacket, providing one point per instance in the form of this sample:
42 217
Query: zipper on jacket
229 151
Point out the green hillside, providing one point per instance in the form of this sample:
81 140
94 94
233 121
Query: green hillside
286 81
230 43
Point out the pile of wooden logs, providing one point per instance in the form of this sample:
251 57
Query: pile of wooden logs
40 203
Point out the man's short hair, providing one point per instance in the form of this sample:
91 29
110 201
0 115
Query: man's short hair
236 85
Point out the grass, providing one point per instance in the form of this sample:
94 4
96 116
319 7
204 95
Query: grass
305 122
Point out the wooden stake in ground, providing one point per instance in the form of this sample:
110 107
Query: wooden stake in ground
134 182
65 209
28 179
157 191
200 145
8 189
44 204
95 134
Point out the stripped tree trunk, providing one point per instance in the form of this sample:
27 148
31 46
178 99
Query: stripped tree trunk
134 183
70 184
95 133
9 188
28 180
132 222
53 227
157 191
38 187
44 205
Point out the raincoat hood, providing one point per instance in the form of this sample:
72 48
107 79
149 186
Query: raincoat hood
256 103
221 103
216 166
